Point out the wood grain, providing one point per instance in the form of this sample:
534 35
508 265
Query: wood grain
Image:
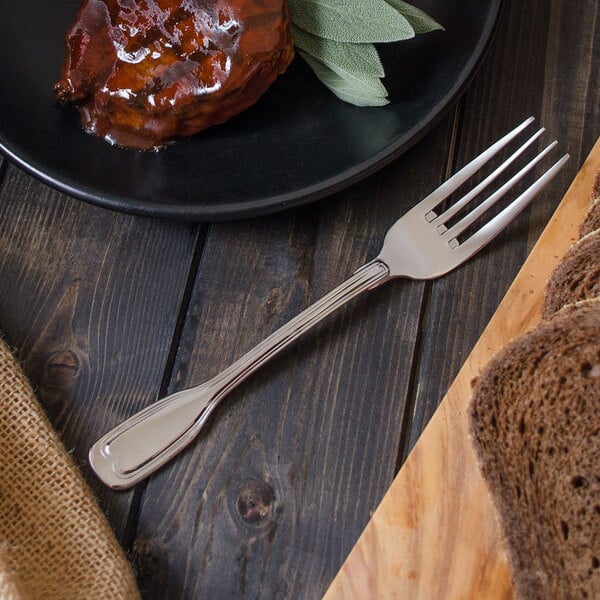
436 532
89 301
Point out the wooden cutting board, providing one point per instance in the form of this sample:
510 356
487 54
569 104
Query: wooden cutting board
436 534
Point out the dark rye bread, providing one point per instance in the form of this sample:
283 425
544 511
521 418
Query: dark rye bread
576 277
536 428
591 221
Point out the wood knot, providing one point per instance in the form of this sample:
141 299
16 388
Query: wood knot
275 300
149 561
255 501
62 369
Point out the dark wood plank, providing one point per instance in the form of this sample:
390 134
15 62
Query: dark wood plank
272 497
90 300
571 99
534 68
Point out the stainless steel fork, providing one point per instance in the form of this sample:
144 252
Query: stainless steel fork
421 245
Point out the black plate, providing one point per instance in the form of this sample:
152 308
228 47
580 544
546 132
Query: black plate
297 144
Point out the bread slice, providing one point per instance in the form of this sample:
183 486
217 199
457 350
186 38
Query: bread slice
576 277
536 427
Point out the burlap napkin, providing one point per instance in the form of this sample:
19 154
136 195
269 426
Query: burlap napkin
54 540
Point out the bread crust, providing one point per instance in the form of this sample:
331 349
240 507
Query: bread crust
591 221
576 277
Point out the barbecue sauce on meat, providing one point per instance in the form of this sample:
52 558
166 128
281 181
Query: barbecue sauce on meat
145 72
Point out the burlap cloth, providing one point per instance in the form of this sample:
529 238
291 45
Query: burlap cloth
54 540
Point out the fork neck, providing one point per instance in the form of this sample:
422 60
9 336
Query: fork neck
365 278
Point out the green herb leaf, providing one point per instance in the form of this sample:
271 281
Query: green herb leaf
356 21
360 90
420 21
336 39
353 58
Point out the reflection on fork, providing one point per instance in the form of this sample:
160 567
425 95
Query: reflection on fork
424 244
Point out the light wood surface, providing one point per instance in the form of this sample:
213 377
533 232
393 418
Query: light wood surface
436 532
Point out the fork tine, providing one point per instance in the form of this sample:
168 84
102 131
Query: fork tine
458 205
470 218
430 202
493 227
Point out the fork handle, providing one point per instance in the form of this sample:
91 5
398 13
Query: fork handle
140 445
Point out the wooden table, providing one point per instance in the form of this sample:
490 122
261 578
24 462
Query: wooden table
109 311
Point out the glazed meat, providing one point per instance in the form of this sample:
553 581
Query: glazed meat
144 72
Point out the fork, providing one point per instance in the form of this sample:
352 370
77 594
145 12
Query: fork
423 244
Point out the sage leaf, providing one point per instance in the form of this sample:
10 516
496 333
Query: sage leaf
353 58
420 21
356 21
336 38
357 90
